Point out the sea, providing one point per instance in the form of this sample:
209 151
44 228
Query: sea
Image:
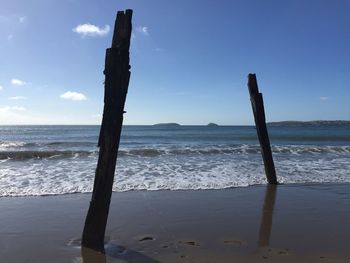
54 160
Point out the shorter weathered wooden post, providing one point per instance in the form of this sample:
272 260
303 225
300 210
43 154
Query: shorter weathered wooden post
256 99
117 75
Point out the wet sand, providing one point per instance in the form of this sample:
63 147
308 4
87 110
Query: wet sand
290 223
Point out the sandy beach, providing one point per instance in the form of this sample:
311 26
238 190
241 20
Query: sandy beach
293 223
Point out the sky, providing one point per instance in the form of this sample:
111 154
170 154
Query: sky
189 60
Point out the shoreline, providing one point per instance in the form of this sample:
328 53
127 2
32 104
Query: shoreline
306 184
304 223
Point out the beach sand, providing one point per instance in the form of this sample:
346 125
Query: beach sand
290 223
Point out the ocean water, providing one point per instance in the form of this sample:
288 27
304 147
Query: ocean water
44 160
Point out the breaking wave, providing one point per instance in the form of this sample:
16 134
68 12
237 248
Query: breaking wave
185 150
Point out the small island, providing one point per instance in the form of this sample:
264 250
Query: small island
212 124
170 124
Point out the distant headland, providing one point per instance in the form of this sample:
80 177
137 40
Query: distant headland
310 123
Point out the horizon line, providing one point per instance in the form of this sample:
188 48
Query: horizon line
170 123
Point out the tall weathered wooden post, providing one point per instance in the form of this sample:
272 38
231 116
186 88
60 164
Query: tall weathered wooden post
117 75
256 99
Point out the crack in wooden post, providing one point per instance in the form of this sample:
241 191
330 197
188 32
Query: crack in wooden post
257 102
117 76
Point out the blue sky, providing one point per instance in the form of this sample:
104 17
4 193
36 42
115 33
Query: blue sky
189 59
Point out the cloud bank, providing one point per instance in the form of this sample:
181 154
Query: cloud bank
7 109
14 115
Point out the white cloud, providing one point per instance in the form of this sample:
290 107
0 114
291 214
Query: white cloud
1 87
323 98
72 95
9 37
91 30
17 98
17 108
11 108
22 19
17 82
143 30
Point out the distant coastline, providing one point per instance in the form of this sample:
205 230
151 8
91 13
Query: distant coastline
174 124
310 123
170 124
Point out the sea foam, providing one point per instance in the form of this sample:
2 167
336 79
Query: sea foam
46 160
158 172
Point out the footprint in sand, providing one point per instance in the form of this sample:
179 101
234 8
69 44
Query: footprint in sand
280 252
328 259
167 245
189 243
234 242
146 238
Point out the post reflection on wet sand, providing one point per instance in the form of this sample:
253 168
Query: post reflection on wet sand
91 256
117 252
267 216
